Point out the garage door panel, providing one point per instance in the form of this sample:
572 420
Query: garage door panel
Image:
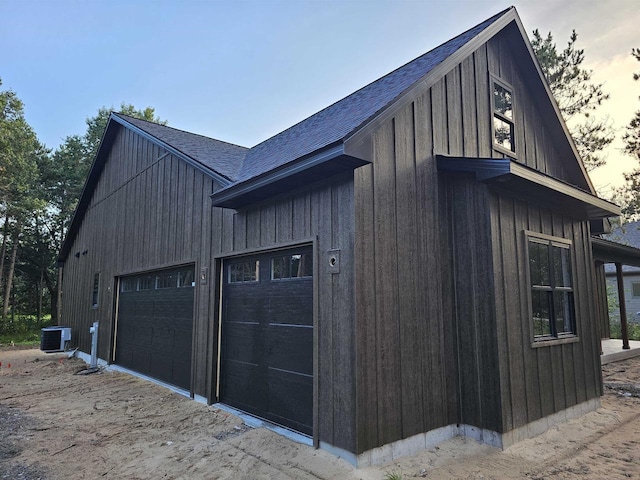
291 398
245 309
244 384
267 341
288 348
294 309
155 327
243 342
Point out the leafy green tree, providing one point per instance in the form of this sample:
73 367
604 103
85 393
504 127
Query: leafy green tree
62 177
577 96
629 195
20 152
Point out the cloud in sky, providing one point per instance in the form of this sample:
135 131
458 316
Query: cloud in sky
242 71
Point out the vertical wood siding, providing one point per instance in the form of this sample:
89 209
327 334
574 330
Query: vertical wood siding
150 209
536 382
442 309
325 212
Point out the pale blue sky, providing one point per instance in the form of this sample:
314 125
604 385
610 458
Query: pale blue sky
241 71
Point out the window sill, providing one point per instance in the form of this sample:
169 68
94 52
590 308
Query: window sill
548 342
505 151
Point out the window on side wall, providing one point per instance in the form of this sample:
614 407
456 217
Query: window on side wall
635 289
551 287
503 126
96 291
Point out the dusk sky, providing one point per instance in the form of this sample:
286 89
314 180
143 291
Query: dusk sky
242 71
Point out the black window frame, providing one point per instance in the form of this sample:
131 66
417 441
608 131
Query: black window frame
552 291
286 274
499 116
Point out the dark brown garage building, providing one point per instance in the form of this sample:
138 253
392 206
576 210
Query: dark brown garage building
411 263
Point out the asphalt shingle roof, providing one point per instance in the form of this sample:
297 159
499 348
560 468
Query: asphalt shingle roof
344 117
627 234
222 157
328 126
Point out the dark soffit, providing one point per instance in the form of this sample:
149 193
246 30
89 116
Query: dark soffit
531 185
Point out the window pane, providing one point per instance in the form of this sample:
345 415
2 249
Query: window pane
292 266
539 264
295 265
165 280
540 308
128 284
562 308
503 133
96 289
306 266
635 287
561 266
185 278
243 271
146 283
276 268
502 101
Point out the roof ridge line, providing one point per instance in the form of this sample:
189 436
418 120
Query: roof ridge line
179 130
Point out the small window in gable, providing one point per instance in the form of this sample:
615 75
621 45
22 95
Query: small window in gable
503 126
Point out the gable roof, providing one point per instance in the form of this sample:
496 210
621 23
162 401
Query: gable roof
327 142
216 159
328 129
342 118
334 133
222 158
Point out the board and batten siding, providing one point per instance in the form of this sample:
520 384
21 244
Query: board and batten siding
323 213
149 210
429 337
536 382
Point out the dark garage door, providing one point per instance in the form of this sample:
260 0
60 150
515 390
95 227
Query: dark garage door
267 337
155 323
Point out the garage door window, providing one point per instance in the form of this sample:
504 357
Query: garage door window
291 266
128 284
165 280
146 283
243 272
185 278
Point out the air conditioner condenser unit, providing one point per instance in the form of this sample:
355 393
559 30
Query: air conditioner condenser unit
55 339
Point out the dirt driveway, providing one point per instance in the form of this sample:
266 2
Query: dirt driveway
57 425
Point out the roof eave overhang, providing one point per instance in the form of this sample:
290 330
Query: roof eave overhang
612 252
521 181
322 164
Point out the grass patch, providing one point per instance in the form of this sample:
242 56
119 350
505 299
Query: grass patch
23 330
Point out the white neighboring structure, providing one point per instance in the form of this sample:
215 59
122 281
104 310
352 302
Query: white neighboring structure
628 234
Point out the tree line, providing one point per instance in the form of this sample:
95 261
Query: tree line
40 188
39 191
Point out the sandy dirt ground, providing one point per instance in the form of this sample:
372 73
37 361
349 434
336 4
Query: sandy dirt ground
55 424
